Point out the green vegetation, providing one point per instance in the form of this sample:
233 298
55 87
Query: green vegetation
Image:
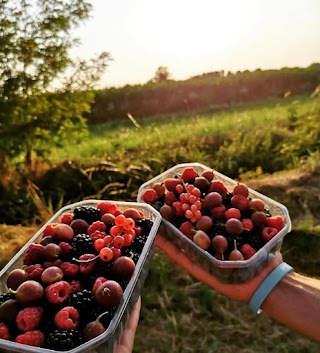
36 38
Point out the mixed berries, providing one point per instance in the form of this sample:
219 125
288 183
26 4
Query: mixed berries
73 280
228 224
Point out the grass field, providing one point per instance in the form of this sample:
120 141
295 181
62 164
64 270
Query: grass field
179 314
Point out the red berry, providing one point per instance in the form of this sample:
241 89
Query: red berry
160 189
149 196
97 283
75 286
118 241
98 225
4 331
67 318
66 218
99 244
129 224
65 248
170 197
106 207
31 338
58 293
241 189
70 269
219 187
48 230
208 174
218 212
35 253
171 183
34 271
119 220
240 202
268 233
87 267
106 254
247 251
28 319
275 222
247 224
232 213
188 174
187 228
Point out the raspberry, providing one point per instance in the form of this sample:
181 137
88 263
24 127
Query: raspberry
247 251
58 293
34 271
218 186
170 197
171 183
4 331
34 254
98 225
70 269
97 235
97 283
57 263
66 218
67 318
31 338
187 228
87 267
48 230
106 207
29 318
75 285
149 196
65 248
188 174
275 222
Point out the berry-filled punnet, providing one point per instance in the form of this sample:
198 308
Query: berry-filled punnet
74 284
212 217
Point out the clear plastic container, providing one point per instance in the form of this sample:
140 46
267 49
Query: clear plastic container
226 271
106 342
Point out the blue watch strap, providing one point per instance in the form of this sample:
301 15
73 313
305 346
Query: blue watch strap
267 285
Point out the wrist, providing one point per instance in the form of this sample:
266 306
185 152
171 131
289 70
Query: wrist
267 286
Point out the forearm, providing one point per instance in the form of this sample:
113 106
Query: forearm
295 302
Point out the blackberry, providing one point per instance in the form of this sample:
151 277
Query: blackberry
130 253
230 239
82 244
227 200
108 314
84 301
146 225
88 213
138 243
102 269
6 296
63 340
255 240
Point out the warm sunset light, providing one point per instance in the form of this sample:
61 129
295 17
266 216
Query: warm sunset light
192 37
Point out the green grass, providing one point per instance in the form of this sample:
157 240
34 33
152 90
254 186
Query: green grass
191 134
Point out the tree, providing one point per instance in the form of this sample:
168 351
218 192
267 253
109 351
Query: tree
162 74
35 39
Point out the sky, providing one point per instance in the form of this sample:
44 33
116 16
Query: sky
191 37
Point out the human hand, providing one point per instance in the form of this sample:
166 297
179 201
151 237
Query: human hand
240 291
126 341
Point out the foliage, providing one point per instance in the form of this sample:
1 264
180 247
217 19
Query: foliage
162 74
34 53
201 92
